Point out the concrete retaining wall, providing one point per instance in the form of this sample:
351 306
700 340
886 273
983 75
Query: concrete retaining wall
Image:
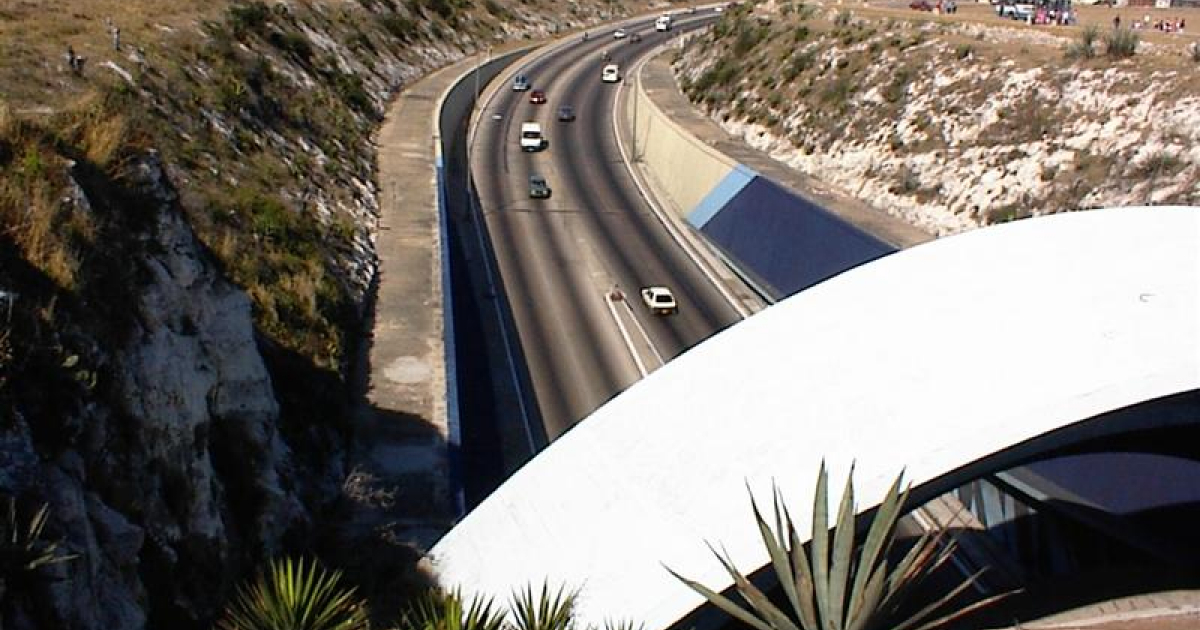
775 239
685 168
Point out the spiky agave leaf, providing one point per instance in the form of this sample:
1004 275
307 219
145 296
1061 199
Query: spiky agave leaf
777 550
835 588
841 563
446 610
296 595
803 578
722 602
23 548
875 548
545 610
820 547
621 624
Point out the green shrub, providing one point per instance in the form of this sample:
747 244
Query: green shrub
799 62
748 37
908 182
292 43
497 9
23 548
437 610
842 19
1160 164
800 34
898 88
1195 51
838 581
249 17
350 88
296 596
1121 43
400 27
964 51
440 8
1084 46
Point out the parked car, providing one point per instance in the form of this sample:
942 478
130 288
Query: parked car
659 300
521 83
538 188
1015 11
566 113
537 97
611 73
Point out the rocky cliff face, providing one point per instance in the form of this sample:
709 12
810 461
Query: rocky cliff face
172 474
185 259
957 122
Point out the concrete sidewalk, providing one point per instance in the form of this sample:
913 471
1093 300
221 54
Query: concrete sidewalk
399 485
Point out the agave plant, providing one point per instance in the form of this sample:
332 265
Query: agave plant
830 587
295 595
440 610
544 610
23 549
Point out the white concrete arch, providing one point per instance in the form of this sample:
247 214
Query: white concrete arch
925 360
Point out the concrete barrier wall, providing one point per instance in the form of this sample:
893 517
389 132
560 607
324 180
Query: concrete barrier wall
685 168
778 241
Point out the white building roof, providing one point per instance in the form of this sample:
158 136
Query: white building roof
923 361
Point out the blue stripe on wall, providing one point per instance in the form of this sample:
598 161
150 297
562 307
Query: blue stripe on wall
786 241
727 189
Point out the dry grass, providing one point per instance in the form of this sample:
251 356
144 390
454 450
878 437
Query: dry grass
35 34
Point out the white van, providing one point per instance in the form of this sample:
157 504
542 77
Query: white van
611 73
531 137
663 23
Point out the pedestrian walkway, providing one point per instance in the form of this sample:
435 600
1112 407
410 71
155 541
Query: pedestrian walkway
397 495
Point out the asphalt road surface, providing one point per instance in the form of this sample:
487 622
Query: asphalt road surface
563 260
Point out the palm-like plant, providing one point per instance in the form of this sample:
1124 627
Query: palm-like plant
828 588
23 550
438 610
295 595
544 610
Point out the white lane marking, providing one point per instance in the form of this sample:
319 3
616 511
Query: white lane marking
658 355
658 212
609 298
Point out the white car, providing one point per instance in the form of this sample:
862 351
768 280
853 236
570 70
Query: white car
611 73
659 300
619 34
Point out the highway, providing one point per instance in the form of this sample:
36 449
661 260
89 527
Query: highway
565 262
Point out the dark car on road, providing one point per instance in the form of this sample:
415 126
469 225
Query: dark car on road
566 113
538 188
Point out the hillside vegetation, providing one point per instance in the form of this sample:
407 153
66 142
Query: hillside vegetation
952 122
187 249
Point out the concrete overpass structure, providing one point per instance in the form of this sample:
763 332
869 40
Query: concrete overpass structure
950 360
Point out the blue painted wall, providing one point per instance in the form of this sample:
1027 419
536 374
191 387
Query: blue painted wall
782 241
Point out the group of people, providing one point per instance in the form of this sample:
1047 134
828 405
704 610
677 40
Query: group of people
1167 26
